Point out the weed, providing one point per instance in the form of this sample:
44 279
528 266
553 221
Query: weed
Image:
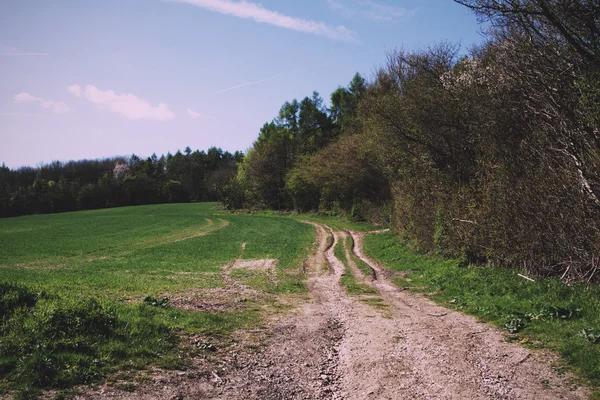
154 302
591 335
13 297
514 325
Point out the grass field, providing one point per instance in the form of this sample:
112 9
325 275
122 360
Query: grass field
541 314
72 284
134 251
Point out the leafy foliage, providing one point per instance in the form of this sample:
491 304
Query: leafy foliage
306 160
472 177
514 325
339 178
591 335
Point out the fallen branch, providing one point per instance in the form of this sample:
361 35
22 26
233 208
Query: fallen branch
525 277
438 315
566 272
475 333
524 358
593 271
466 221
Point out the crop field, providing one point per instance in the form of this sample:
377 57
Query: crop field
105 281
128 252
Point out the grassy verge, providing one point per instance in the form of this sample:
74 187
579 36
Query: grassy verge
541 314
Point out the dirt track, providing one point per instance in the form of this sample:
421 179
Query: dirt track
339 347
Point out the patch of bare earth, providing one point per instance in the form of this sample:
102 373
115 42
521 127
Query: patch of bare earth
218 299
337 347
233 296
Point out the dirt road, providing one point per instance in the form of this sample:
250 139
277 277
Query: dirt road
340 347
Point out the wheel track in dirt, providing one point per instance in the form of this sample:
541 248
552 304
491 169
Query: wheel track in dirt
338 347
452 355
414 350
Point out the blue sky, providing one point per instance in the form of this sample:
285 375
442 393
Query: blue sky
100 78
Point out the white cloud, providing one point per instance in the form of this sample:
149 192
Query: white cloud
126 104
75 90
26 98
193 113
370 9
247 10
8 51
338 7
268 78
197 115
57 106
24 54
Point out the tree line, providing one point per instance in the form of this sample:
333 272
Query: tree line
493 156
118 181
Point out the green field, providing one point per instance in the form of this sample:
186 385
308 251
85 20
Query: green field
128 252
72 284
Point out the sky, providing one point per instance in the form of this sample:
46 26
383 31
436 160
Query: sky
101 78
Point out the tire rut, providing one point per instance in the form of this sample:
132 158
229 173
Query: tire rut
452 355
337 347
